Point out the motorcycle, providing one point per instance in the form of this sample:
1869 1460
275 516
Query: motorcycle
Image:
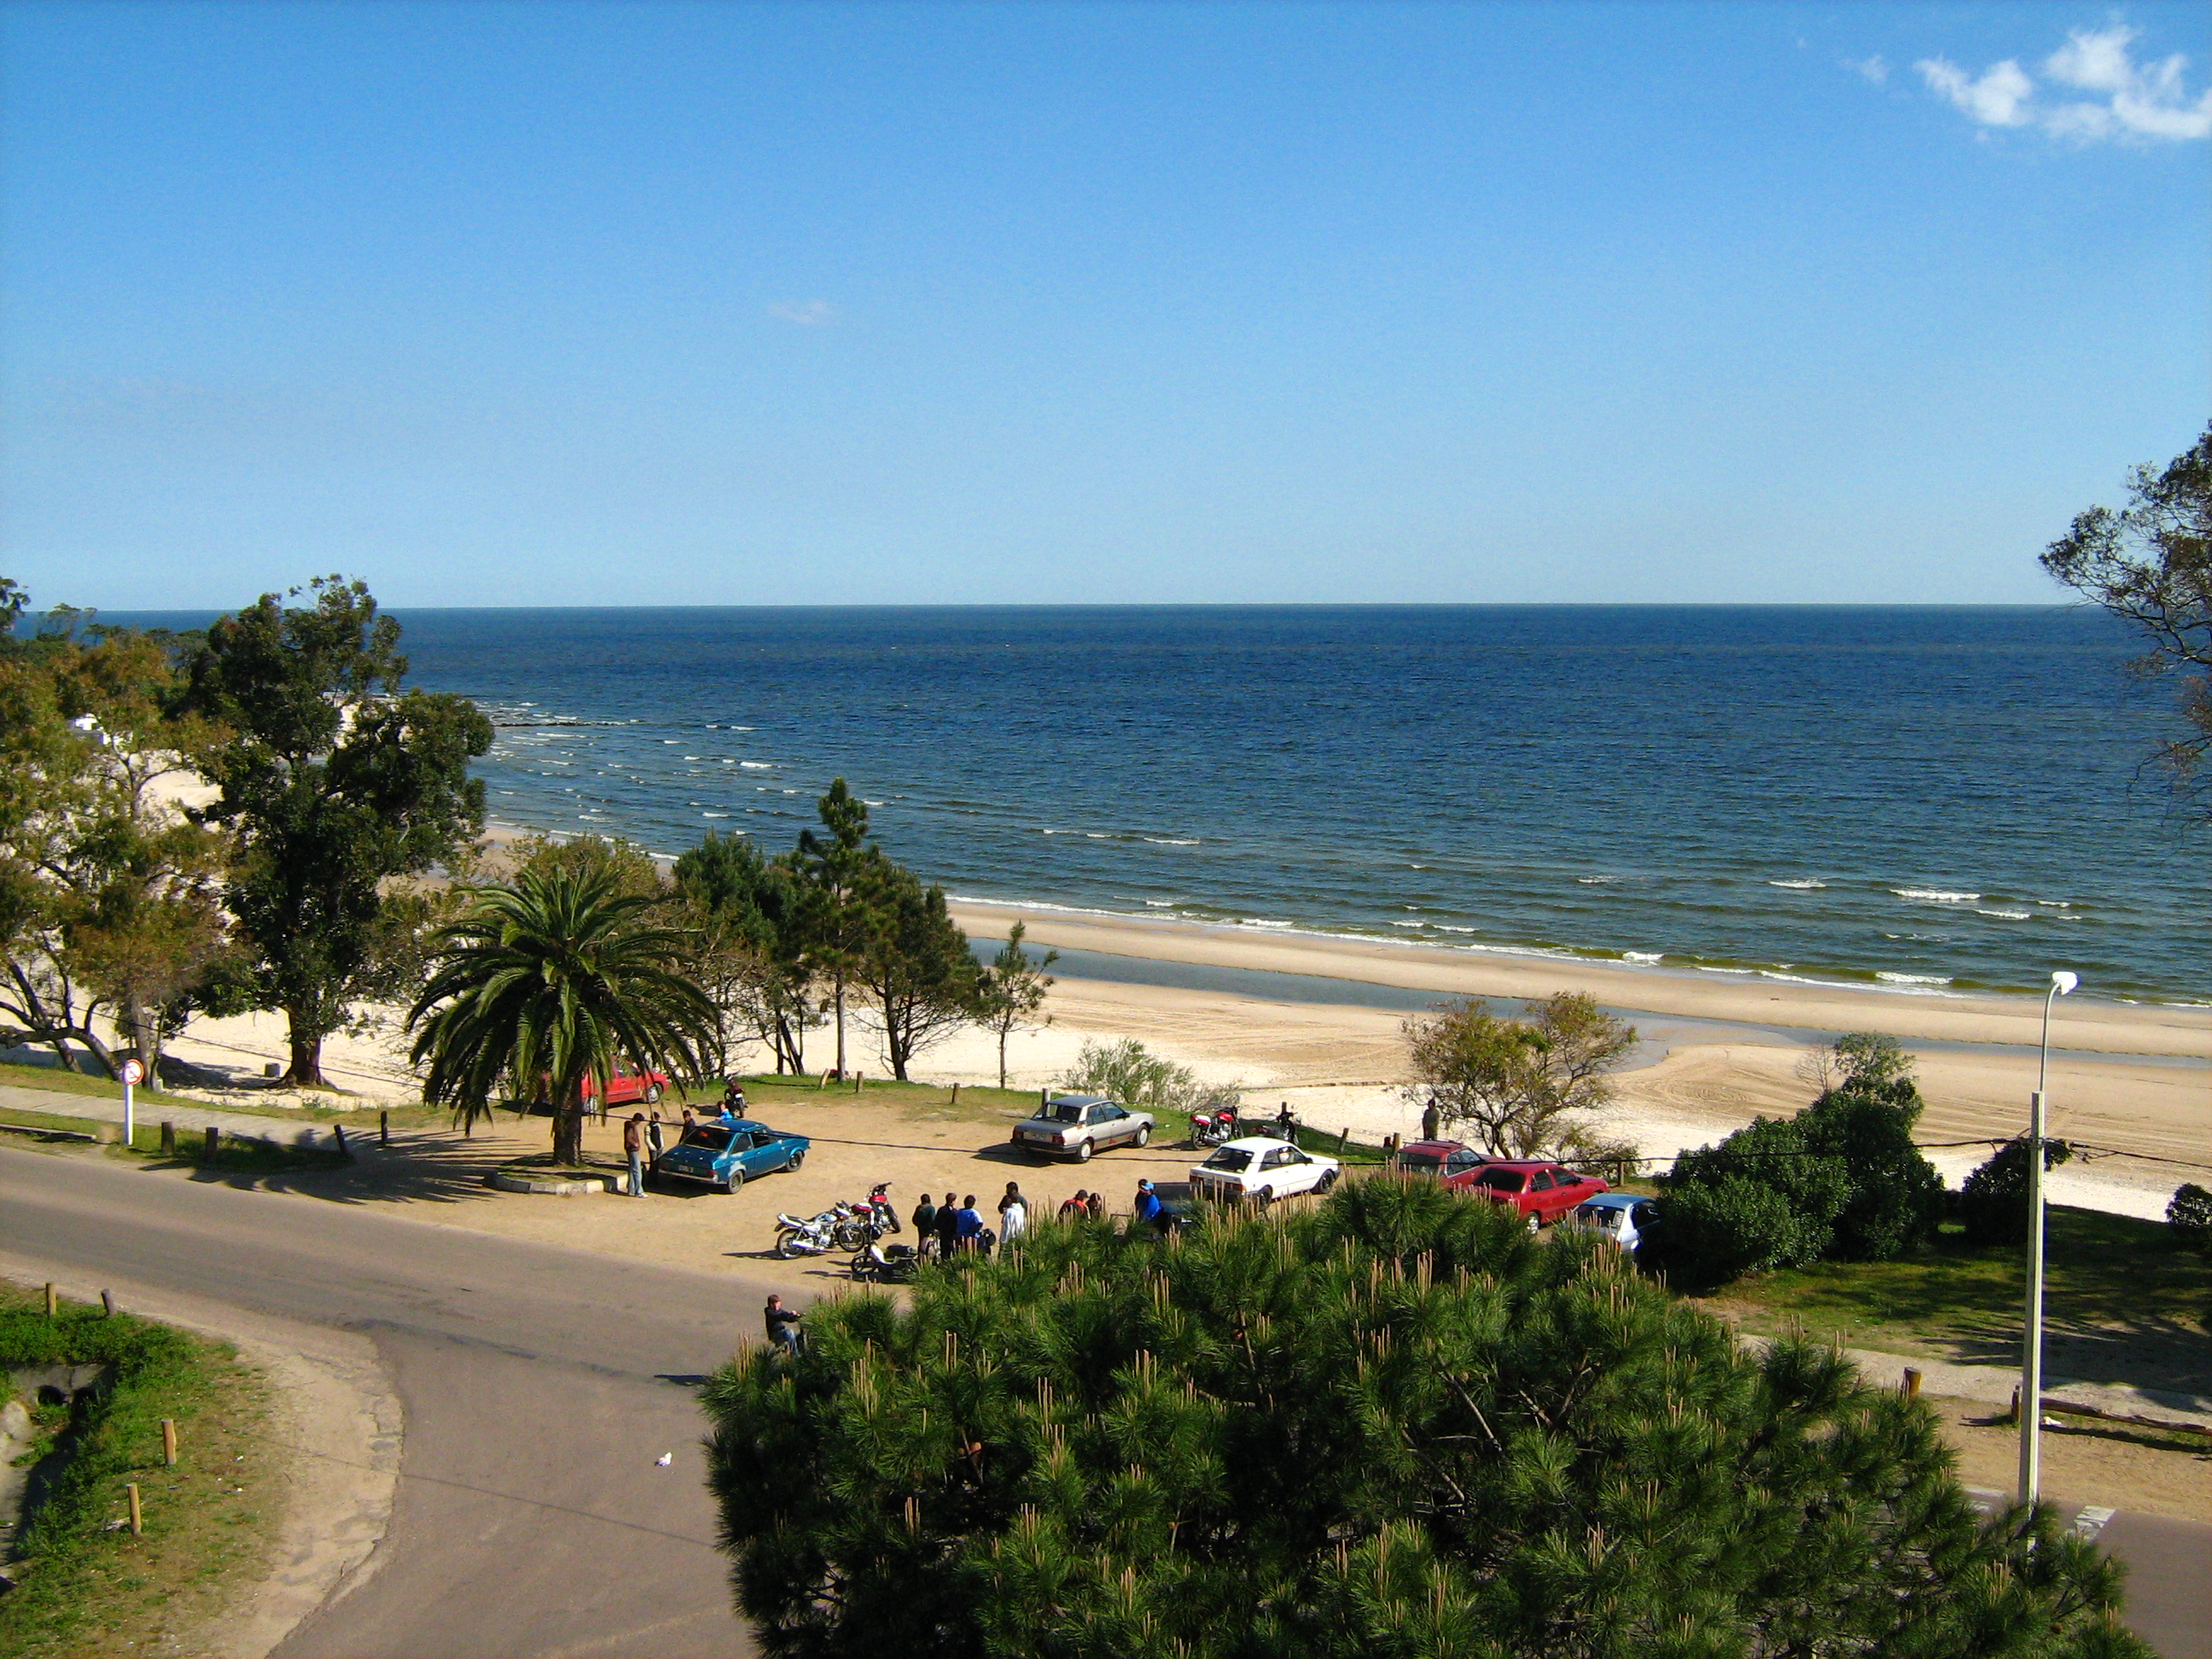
887 1264
879 1206
1211 1128
832 1229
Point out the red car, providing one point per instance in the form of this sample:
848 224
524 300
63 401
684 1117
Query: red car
1540 1189
625 1086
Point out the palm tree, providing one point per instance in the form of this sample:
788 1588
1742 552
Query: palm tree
543 986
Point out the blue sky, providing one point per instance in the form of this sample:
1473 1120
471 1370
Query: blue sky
749 304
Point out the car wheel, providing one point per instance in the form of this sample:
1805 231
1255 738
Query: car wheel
737 1180
1143 1135
1264 1197
1083 1152
797 1158
1535 1221
652 1095
1327 1180
594 1108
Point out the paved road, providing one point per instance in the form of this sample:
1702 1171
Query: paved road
539 1385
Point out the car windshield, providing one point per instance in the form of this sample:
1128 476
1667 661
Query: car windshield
1229 1158
1504 1181
1063 1111
1422 1163
713 1140
1599 1215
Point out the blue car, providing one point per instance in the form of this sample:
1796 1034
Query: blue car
724 1154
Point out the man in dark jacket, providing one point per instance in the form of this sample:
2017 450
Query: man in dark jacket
925 1218
948 1224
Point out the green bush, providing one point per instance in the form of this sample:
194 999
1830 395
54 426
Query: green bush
2190 1214
1392 1425
1718 1231
1993 1200
1845 1180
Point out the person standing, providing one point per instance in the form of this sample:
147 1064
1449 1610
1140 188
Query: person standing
689 1122
783 1329
1011 1196
1013 1215
968 1224
1095 1204
634 1144
1076 1208
1433 1122
948 1225
1148 1202
924 1225
652 1143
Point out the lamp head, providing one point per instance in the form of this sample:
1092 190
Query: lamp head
2065 981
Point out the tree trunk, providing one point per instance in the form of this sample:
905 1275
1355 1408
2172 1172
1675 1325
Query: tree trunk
306 1072
568 1129
1002 1056
840 1026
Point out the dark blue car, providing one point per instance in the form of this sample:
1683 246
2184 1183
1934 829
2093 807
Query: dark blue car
724 1154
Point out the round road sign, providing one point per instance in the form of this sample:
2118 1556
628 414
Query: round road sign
133 1072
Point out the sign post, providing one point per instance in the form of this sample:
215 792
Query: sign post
133 1074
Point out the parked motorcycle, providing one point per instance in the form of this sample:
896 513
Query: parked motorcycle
1211 1128
879 1206
887 1264
832 1229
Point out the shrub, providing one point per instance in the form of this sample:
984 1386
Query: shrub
2190 1214
1131 1074
1390 1426
1895 1196
1719 1230
1993 1201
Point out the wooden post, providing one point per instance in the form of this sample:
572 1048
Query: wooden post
344 1151
137 1520
384 1128
857 1076
822 1082
1343 1138
168 1140
213 1142
1911 1387
53 1302
955 1095
2013 1415
169 1441
108 1302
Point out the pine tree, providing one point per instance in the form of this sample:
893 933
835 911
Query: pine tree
1391 1425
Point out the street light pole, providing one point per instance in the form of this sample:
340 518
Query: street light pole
2031 1361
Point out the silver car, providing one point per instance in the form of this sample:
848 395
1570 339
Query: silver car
1076 1126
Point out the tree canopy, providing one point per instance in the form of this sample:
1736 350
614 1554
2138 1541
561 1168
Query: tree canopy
1393 1425
1519 1087
334 777
2150 565
544 987
1010 996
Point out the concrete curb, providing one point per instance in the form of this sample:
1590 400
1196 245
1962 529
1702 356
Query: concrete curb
509 1181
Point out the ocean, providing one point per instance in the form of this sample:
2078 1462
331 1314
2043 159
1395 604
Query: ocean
1929 801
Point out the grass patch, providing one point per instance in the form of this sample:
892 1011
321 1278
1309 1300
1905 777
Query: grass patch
243 1154
49 1122
55 1081
2104 1274
83 1589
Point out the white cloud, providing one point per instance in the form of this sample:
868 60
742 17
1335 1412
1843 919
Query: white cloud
1875 69
2134 102
807 314
1998 99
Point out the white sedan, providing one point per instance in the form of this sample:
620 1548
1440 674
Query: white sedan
1262 1168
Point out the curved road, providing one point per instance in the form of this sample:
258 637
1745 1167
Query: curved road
539 1385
